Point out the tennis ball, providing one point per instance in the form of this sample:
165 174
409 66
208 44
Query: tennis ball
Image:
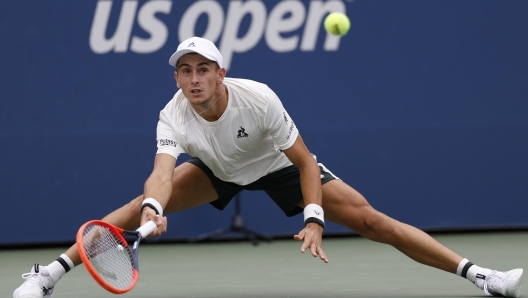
337 23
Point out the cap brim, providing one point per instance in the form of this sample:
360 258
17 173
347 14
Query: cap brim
176 56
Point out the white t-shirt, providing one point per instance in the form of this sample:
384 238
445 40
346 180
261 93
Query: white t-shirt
240 147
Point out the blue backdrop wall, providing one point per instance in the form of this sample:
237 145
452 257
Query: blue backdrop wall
422 106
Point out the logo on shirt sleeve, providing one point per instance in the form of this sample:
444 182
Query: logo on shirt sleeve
292 126
167 142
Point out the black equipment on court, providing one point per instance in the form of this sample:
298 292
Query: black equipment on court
237 226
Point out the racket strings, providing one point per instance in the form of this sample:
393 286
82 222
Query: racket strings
109 256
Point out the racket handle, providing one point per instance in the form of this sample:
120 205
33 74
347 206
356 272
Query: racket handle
147 228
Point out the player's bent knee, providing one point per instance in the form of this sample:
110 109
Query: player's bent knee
376 226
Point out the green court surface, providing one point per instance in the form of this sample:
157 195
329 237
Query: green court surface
357 268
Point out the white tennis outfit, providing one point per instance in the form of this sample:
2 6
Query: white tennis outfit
243 145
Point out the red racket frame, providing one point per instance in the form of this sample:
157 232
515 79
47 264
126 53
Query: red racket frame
118 232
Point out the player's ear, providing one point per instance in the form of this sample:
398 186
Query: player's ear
221 75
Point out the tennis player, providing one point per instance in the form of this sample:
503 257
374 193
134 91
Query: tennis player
239 136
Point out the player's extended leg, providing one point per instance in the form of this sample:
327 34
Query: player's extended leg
191 188
344 205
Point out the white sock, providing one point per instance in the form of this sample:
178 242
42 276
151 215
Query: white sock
473 273
59 267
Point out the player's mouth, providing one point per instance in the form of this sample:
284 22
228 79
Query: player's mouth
196 91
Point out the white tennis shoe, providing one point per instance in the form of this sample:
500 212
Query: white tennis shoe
38 284
506 283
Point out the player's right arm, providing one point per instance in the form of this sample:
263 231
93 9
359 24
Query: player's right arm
159 187
159 183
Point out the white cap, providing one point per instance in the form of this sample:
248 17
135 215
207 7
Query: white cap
198 45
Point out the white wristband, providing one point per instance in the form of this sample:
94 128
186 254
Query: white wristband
313 213
313 210
152 203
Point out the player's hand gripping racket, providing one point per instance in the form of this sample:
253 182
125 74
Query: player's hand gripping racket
107 256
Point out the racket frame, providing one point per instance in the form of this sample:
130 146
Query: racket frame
119 233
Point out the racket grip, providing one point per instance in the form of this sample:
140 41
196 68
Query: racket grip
147 228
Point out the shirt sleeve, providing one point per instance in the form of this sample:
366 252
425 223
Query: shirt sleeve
166 137
280 125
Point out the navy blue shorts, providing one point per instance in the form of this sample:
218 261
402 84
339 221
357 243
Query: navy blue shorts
283 186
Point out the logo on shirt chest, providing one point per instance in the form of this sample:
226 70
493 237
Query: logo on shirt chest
242 133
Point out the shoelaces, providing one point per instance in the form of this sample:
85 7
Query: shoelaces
493 283
31 281
34 279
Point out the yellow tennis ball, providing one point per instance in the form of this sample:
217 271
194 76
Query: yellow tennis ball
337 23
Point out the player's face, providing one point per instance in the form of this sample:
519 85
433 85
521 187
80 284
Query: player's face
199 79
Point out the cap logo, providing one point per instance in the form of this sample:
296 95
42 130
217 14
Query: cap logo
191 45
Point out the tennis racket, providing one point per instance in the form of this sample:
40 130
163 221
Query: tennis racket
107 256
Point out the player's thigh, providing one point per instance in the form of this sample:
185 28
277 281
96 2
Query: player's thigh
346 206
190 188
341 202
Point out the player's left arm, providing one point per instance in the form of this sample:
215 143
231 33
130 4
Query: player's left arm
309 171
